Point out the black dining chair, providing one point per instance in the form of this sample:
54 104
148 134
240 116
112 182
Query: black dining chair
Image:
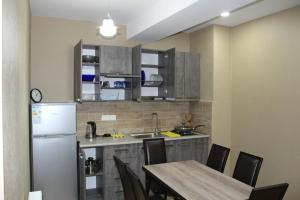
273 192
155 153
125 180
218 157
139 191
247 168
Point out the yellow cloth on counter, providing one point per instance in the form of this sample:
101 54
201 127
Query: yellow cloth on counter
170 134
117 135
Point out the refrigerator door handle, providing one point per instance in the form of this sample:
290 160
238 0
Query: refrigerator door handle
53 136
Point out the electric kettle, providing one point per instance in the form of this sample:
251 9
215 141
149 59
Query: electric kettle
90 130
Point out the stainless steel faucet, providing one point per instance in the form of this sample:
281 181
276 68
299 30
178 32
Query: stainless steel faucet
156 130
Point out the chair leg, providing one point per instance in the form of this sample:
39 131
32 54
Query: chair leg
165 196
148 183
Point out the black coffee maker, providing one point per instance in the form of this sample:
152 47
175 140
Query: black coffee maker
90 130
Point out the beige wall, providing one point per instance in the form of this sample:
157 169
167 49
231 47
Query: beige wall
266 96
15 73
221 107
52 43
202 42
201 115
213 45
252 77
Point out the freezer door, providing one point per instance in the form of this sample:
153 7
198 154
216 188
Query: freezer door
54 167
53 118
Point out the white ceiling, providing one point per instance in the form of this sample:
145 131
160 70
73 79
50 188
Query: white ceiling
178 15
122 11
251 12
155 19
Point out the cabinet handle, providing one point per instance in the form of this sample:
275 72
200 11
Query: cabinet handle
119 191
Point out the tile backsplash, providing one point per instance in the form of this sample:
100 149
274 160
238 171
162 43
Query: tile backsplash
133 117
202 114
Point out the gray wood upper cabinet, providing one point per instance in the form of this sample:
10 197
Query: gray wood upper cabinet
192 76
179 75
184 75
77 71
115 60
136 70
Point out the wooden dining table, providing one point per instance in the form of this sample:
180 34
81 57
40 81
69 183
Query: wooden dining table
192 180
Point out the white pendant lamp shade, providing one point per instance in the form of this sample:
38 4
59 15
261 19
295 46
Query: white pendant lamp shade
108 28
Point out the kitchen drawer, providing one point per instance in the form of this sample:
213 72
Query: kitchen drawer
121 151
113 193
111 174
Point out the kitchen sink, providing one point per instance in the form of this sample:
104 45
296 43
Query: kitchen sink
144 135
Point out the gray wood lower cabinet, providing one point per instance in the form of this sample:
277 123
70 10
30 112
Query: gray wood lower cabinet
185 150
133 155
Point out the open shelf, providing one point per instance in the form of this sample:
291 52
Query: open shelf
120 76
112 88
90 82
152 83
100 173
151 66
90 64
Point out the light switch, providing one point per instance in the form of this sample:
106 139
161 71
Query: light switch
108 117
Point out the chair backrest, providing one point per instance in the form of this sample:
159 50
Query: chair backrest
218 157
139 191
125 179
155 151
247 168
273 192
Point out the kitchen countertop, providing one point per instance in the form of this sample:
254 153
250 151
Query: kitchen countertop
107 141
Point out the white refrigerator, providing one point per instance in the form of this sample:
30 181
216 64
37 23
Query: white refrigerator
54 150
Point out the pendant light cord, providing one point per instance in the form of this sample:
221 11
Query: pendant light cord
108 9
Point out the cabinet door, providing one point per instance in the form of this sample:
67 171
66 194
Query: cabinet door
192 76
171 151
169 78
185 150
113 193
140 163
112 176
136 70
179 75
121 151
201 150
115 60
77 71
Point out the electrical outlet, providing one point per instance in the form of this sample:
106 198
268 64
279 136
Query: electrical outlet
108 117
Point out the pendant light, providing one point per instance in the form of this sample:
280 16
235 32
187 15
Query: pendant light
108 28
